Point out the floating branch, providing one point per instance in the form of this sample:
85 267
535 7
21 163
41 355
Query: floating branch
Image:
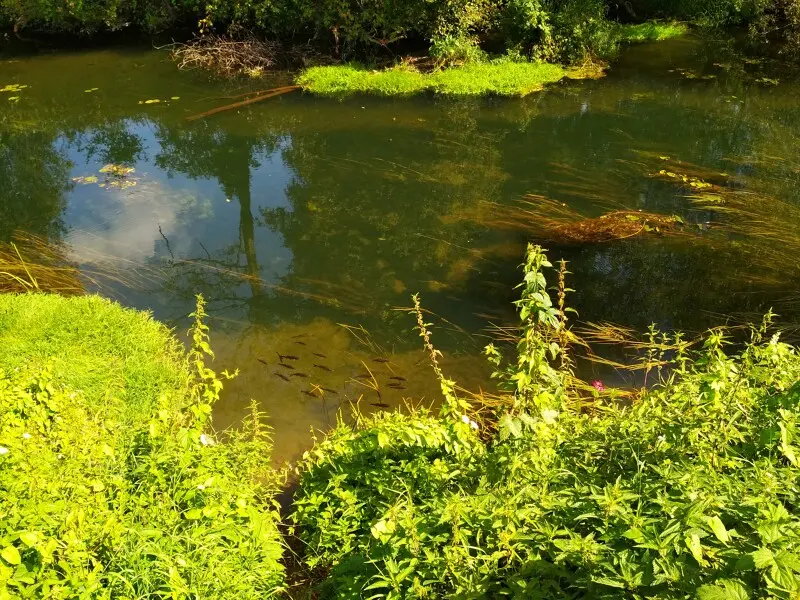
269 94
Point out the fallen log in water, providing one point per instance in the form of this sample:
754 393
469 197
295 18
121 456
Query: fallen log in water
268 94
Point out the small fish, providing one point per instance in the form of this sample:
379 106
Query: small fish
396 387
330 391
298 375
380 404
299 343
262 361
299 335
397 378
319 354
282 376
307 393
285 366
323 367
380 360
282 357
362 376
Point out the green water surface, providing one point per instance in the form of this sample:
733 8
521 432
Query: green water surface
308 223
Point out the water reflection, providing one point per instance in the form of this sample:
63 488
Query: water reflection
299 215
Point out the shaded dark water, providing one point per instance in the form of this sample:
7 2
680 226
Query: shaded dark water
299 216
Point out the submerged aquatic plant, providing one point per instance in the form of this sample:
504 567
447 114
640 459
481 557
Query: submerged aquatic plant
553 222
45 268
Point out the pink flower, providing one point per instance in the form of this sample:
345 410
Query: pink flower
598 385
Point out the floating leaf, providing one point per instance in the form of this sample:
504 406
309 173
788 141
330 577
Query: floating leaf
154 101
90 90
175 98
117 170
121 184
13 98
87 179
13 87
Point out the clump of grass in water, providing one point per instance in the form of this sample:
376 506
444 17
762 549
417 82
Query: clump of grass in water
31 263
503 78
44 270
555 222
651 31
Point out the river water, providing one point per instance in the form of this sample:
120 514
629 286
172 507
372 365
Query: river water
308 223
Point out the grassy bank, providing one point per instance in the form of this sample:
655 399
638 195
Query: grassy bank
650 31
112 483
120 360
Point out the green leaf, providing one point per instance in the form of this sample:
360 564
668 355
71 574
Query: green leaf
728 589
611 582
763 558
194 514
696 548
29 538
510 426
11 555
718 528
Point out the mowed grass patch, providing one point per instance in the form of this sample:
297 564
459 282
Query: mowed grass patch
110 354
504 78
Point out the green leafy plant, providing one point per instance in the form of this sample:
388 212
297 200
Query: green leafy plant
688 491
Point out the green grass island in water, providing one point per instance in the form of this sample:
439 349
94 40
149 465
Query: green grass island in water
496 77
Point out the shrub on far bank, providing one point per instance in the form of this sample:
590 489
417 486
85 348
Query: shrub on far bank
124 491
452 30
688 490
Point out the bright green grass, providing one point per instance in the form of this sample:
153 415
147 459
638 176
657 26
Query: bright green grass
112 354
112 481
497 78
651 31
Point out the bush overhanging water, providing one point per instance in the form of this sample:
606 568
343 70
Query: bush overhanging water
452 30
688 492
